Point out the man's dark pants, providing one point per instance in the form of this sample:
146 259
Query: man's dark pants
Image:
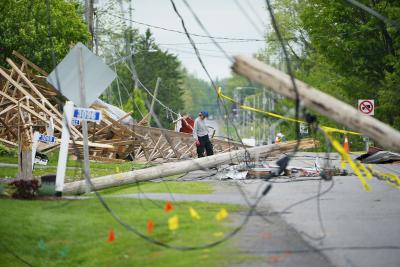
205 143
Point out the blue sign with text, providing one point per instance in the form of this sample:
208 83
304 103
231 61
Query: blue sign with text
49 139
87 114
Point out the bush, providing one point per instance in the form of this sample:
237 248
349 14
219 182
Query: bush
5 151
47 189
25 189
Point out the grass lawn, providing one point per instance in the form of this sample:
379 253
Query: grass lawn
74 233
162 187
74 169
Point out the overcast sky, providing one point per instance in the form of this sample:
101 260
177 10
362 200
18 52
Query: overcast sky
222 18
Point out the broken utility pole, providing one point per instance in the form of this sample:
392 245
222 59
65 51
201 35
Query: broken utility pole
173 168
315 99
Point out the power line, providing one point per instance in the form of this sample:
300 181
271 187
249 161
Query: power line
206 31
248 17
255 12
369 10
199 43
193 53
193 34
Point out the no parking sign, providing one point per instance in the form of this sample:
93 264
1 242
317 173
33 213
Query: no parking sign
366 106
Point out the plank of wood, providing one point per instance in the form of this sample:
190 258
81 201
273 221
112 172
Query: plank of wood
169 140
39 94
21 57
8 142
44 109
113 123
317 100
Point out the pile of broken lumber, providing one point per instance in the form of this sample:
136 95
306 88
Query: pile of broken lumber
28 104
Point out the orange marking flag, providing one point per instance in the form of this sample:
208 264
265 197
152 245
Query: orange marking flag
111 236
168 207
150 226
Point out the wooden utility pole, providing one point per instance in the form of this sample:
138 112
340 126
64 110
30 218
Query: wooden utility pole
154 98
96 33
89 21
24 149
172 168
315 99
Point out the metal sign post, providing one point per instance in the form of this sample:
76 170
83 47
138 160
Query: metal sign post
81 84
35 141
63 154
86 162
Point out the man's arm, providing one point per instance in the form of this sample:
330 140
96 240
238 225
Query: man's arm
195 129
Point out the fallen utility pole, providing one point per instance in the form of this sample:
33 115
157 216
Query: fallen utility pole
172 168
315 99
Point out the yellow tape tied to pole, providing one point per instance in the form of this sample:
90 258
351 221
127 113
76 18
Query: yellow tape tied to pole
339 148
326 128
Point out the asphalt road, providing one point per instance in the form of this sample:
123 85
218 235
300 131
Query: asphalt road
359 228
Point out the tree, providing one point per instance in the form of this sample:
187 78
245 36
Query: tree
151 62
24 28
198 95
346 51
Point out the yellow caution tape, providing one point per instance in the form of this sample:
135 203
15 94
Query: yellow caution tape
366 171
391 179
339 148
331 130
256 110
326 128
342 163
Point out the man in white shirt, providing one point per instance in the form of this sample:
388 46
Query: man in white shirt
200 134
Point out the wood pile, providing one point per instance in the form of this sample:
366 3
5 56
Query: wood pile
28 103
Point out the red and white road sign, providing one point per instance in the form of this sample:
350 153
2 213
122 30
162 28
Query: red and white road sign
366 106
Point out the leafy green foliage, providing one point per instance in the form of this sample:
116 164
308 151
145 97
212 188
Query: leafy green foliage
341 49
150 63
198 95
24 28
137 104
6 151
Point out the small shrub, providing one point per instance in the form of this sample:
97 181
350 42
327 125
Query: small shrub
47 189
25 189
5 151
